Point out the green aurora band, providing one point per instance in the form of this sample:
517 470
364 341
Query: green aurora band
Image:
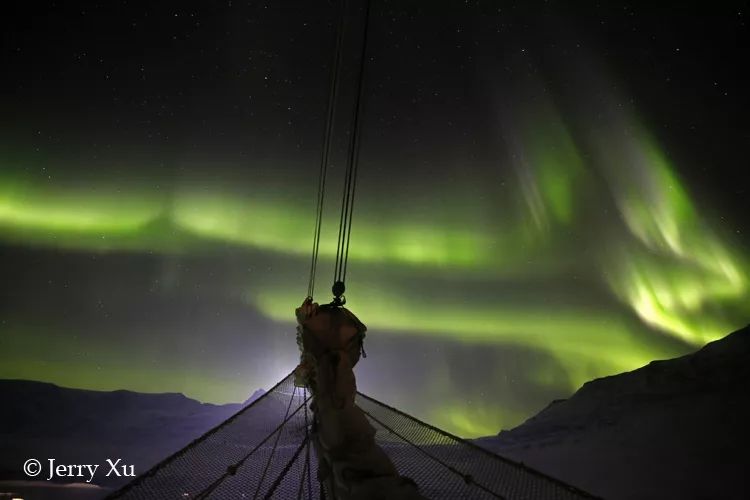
681 270
669 281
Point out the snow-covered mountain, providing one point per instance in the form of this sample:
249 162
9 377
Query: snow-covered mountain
674 429
73 426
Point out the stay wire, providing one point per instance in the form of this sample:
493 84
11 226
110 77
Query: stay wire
353 189
270 493
347 202
232 469
346 198
330 116
307 435
305 472
275 445
306 469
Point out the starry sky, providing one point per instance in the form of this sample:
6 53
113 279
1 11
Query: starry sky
547 193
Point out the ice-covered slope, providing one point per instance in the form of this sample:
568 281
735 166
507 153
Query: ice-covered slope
672 429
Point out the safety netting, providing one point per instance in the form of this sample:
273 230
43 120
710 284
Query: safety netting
265 451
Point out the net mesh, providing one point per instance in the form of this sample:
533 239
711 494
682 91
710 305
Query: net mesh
264 451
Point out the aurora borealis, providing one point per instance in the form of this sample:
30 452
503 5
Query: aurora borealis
525 220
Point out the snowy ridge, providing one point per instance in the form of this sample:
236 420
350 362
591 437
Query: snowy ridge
42 420
671 429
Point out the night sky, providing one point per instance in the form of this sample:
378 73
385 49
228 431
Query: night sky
547 193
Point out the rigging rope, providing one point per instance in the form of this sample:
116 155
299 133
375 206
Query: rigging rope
330 115
306 470
350 181
273 450
233 468
285 470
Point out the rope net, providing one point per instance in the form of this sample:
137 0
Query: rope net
265 451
